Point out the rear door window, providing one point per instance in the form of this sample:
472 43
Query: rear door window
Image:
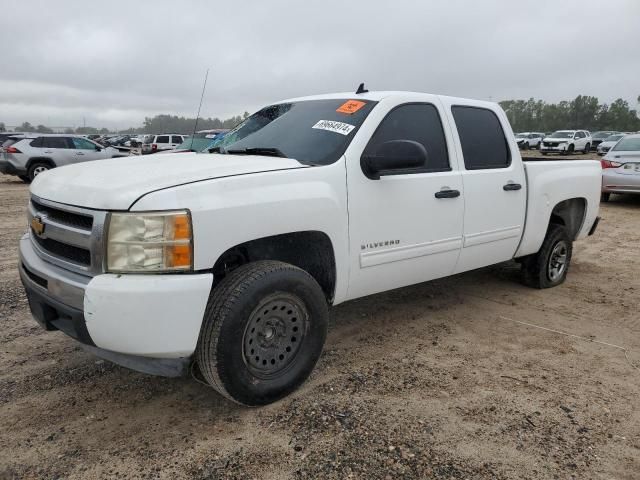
484 144
162 139
176 139
57 142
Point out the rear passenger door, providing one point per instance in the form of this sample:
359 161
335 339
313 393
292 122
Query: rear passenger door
494 187
59 149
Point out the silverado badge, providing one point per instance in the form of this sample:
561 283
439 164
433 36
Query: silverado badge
37 226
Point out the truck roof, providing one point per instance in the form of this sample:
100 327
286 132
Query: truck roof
380 95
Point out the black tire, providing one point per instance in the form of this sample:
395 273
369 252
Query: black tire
587 148
290 339
537 268
24 178
605 196
37 168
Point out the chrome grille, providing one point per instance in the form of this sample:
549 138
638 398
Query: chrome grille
70 237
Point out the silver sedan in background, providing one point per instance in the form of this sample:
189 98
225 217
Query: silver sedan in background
608 143
621 167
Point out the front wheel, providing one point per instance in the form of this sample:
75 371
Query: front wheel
263 331
548 268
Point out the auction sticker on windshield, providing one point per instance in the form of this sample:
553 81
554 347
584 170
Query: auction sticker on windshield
350 106
335 127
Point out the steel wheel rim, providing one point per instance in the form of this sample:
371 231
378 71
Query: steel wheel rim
557 261
274 334
38 170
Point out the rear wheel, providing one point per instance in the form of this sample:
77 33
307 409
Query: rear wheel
263 331
24 178
548 268
36 169
605 196
587 148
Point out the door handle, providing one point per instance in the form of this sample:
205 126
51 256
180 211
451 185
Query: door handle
511 186
79 153
448 194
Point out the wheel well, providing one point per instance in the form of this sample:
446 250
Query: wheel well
570 214
48 161
311 251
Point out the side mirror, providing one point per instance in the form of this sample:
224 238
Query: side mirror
394 157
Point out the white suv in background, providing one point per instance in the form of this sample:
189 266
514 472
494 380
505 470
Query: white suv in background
567 141
527 140
165 141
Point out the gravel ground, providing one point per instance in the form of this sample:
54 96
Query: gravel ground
437 380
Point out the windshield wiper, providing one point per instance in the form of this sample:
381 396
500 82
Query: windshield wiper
266 151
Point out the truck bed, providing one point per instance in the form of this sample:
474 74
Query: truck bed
550 181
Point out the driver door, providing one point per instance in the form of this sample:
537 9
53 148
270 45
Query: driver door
402 229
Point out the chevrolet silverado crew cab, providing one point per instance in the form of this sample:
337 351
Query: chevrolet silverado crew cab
228 261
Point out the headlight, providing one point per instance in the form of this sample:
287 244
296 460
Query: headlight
149 242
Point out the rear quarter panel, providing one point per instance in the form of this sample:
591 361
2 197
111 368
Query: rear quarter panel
551 182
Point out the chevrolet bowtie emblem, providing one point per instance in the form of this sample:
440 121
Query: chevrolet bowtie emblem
37 226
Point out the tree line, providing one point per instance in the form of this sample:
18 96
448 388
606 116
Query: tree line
157 124
583 112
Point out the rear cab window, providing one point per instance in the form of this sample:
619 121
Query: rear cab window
484 144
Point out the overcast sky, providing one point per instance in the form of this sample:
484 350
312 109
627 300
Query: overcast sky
116 63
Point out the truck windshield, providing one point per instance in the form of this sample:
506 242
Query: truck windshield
315 132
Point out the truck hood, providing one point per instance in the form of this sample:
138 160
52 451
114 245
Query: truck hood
115 184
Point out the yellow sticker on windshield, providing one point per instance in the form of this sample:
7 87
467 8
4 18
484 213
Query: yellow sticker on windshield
350 106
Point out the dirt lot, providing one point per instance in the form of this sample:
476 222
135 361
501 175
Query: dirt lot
431 381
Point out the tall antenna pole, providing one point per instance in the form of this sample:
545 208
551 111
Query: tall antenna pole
195 126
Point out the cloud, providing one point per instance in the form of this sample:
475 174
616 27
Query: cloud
117 64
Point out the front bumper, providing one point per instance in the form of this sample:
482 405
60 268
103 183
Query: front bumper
148 323
554 149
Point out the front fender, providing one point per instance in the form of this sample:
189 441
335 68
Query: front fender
233 210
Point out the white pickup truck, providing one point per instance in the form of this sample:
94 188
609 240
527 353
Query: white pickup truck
229 260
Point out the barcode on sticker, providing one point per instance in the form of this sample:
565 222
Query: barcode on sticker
335 127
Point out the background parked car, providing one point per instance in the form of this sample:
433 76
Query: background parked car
527 140
165 141
609 142
198 142
621 167
31 155
598 137
566 141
